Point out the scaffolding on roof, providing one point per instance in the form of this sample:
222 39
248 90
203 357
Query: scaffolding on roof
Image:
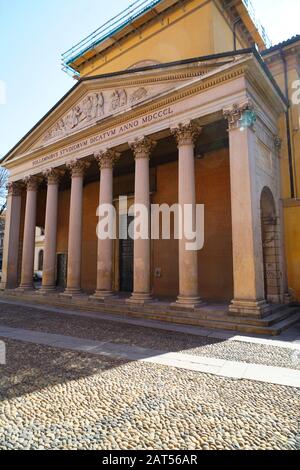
131 13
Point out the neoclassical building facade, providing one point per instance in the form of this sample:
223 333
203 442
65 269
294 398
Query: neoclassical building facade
202 130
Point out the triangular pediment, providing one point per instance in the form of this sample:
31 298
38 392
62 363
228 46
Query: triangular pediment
96 100
98 105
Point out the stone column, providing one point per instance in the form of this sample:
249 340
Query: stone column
49 268
186 135
11 237
142 247
248 270
32 184
77 169
106 161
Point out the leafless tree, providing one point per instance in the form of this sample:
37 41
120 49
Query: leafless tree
3 190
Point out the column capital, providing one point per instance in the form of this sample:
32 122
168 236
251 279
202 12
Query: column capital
53 175
235 114
77 167
107 158
142 147
32 182
186 134
15 188
278 145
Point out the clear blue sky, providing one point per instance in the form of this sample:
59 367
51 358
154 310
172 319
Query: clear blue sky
33 34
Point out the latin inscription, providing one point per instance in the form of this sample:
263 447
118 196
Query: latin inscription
111 133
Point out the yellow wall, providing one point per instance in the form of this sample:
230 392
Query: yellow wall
293 75
292 207
223 38
198 29
292 243
295 126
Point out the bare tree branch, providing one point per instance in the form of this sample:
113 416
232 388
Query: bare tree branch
3 189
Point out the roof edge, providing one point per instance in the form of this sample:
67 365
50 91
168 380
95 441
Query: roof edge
281 45
149 68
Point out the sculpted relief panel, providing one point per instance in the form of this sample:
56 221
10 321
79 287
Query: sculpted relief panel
92 108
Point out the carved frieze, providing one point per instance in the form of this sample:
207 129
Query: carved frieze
139 95
118 99
92 108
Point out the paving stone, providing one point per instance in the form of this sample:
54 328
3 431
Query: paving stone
60 399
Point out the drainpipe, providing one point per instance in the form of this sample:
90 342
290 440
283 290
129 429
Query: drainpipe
288 125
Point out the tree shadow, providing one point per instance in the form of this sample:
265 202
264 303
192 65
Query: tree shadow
31 367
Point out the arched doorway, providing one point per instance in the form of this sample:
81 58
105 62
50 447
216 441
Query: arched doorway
270 243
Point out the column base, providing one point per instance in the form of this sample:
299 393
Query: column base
46 290
102 296
185 302
72 292
140 299
23 289
5 286
252 308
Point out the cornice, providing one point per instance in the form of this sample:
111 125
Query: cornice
84 87
165 99
173 96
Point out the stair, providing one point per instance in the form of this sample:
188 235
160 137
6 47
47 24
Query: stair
207 316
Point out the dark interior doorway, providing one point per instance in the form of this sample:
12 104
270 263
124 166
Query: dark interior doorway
126 256
62 270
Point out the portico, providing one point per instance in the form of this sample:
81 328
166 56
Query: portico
162 136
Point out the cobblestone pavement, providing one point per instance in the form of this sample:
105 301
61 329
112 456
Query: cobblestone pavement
39 320
53 399
60 399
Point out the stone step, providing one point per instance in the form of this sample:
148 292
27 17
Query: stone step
279 315
287 323
209 317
